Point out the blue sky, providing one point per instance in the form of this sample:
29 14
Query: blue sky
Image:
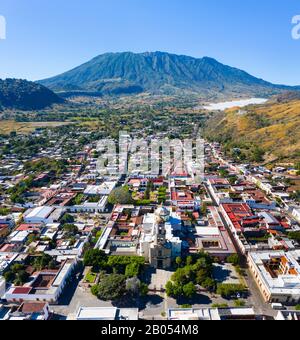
45 38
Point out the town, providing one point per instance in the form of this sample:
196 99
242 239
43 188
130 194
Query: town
82 243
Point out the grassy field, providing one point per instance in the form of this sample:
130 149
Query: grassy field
8 126
91 277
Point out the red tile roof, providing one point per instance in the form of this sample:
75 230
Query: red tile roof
22 290
32 307
237 213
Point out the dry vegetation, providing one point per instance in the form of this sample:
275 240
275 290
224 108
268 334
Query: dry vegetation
273 127
8 126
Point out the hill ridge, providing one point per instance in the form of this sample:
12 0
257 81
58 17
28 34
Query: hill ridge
161 73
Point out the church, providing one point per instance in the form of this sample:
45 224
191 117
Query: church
158 244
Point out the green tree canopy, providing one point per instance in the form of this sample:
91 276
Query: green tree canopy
95 258
189 290
111 287
120 195
233 259
67 219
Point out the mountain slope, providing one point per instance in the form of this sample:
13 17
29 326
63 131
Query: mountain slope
25 95
159 72
272 127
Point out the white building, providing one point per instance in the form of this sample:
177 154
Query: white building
35 311
46 286
103 189
90 207
6 259
2 286
43 214
105 314
287 315
7 220
172 224
277 274
211 314
296 214
18 237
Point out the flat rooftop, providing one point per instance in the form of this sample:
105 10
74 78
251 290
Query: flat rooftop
40 212
207 314
279 270
107 313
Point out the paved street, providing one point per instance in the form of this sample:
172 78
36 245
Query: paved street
255 298
74 297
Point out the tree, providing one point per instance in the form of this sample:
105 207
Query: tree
132 270
189 290
94 290
177 290
204 209
9 276
21 278
294 235
95 258
119 263
78 199
31 238
144 289
52 264
295 196
229 290
189 260
133 285
233 179
136 287
67 219
223 173
169 289
112 287
120 195
71 230
233 259
209 284
180 276
17 274
257 155
297 167
190 273
42 262
179 261
4 211
202 275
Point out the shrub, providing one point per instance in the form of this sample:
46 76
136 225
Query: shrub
239 303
